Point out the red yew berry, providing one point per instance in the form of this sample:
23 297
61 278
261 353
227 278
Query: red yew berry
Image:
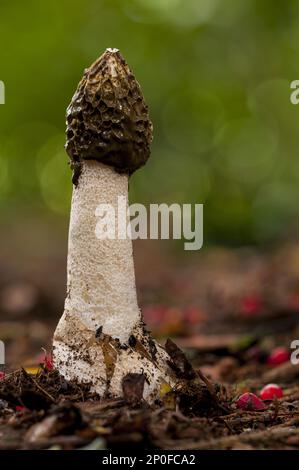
154 314
48 362
20 408
193 315
270 392
251 306
278 356
293 302
45 360
250 402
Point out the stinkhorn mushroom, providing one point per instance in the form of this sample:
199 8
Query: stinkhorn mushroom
101 339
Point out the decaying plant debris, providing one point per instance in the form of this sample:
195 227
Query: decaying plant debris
45 411
228 346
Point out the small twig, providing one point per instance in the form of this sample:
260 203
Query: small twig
38 386
208 383
12 373
211 390
178 414
276 409
42 390
229 427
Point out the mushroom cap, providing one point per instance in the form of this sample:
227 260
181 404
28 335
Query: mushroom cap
107 119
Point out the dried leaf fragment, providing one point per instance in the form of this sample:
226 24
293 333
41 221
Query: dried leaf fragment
179 363
133 386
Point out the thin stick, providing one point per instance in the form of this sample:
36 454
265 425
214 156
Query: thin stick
38 386
211 390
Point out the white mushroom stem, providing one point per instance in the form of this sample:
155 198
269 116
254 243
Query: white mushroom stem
101 280
101 298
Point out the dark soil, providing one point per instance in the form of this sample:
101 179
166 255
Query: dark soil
227 312
45 411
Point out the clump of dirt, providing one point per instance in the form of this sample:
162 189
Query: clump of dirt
39 391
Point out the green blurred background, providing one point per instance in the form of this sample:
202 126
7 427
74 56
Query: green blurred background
216 76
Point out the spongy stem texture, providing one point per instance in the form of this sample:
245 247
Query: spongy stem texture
100 272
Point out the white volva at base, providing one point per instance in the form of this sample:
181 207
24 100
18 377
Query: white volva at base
101 294
94 371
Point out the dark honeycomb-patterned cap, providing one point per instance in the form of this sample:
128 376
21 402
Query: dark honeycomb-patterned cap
107 119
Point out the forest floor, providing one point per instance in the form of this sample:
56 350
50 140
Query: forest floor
234 313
